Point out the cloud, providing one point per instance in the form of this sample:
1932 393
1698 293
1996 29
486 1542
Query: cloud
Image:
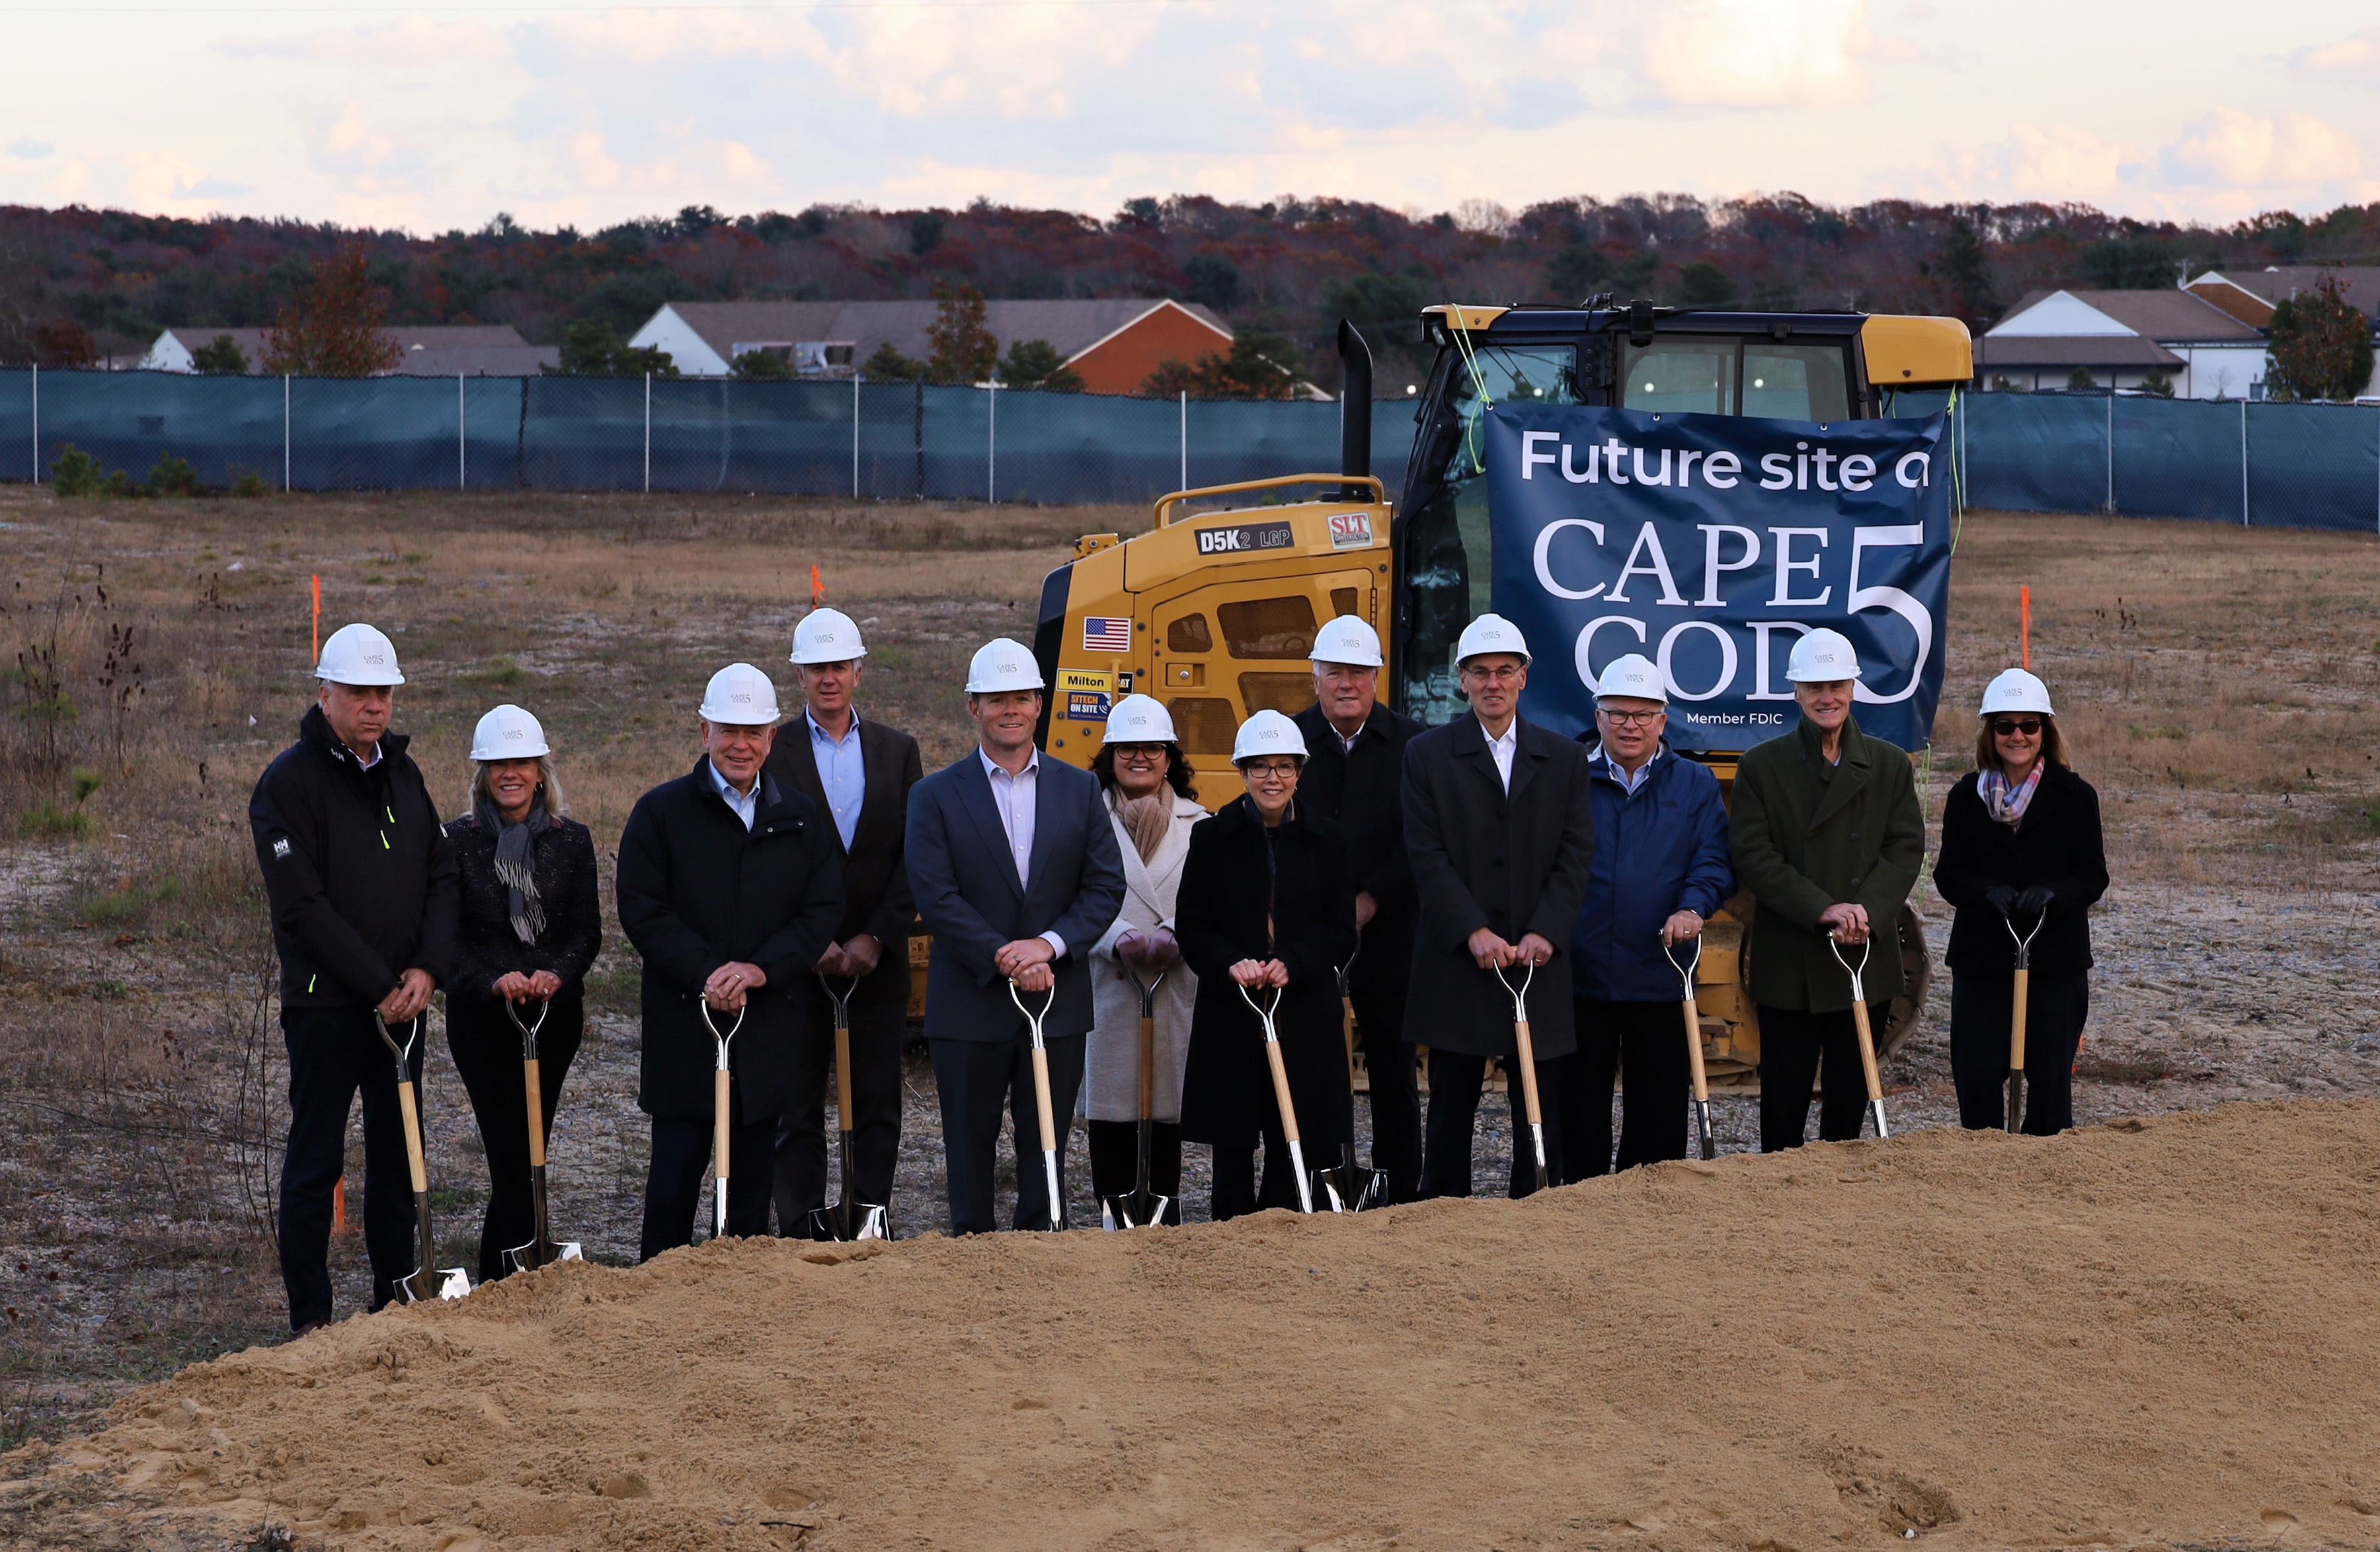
2241 150
1745 54
30 150
2059 163
208 188
2354 58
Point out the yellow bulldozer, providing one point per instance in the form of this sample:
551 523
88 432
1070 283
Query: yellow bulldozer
1214 609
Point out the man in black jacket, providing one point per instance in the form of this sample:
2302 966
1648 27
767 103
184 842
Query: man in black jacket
1355 776
730 889
362 885
1500 823
857 774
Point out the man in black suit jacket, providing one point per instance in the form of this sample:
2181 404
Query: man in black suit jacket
1015 867
1355 775
730 889
858 775
1499 824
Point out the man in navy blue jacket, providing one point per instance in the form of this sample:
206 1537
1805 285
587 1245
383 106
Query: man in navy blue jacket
1660 867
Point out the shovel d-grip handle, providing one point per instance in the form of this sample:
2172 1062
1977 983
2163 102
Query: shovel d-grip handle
2023 942
1528 1052
1047 1116
1288 1108
842 1049
529 1079
1860 1025
722 1098
408 1104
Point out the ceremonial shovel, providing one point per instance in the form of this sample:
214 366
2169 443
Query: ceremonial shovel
1529 1065
2015 1017
1041 1099
1265 1012
720 1096
1141 1207
540 1248
849 1218
1350 1187
1694 1043
1859 1022
452 1282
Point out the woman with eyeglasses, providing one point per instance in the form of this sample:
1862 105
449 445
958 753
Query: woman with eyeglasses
1154 807
1266 910
2021 857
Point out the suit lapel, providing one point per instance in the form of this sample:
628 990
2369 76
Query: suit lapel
1850 777
974 793
1528 753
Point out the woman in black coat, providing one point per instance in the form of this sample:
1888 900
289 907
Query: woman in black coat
2020 845
1268 900
531 925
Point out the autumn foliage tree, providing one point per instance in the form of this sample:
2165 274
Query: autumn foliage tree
2321 346
332 326
964 350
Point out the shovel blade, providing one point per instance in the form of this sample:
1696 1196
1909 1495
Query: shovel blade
1348 1188
849 1221
1134 1210
449 1282
543 1252
2016 1100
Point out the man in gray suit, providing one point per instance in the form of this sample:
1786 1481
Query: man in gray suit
1015 872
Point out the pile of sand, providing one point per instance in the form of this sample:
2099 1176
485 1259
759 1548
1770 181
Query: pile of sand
2154 1332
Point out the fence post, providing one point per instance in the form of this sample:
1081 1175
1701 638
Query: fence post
288 482
1186 440
917 432
854 436
2243 460
462 455
2111 445
649 433
991 443
36 422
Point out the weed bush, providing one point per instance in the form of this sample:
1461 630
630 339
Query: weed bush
49 820
76 473
172 477
250 486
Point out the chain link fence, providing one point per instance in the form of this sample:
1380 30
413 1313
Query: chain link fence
2290 465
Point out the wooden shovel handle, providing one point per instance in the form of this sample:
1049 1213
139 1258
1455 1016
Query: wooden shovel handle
1529 1065
411 1111
1347 1031
1147 1066
1281 1091
842 1074
718 1101
536 1113
2016 1022
1867 1053
1694 1052
1041 1099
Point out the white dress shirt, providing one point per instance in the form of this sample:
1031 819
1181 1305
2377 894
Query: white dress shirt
842 774
1015 797
1503 749
747 804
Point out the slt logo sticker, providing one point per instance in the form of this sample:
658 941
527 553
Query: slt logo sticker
1351 530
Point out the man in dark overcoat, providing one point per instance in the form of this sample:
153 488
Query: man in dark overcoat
857 772
1354 776
730 887
1015 867
1500 827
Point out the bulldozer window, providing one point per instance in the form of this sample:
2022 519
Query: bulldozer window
1795 382
1273 627
1189 634
1344 601
1205 725
1681 375
1286 693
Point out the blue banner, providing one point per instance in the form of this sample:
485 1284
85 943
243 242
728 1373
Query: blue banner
1710 543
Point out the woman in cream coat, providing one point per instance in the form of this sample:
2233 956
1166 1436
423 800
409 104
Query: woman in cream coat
1152 804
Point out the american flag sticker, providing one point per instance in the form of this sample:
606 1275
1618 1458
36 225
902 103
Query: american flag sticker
1106 636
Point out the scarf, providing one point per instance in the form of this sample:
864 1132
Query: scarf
1147 821
514 866
2003 802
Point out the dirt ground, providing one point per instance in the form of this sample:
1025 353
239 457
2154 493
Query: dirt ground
2158 1333
2216 685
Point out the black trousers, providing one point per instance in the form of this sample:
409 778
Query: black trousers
803 1141
1115 1159
1982 1005
334 1054
1793 1044
682 1160
1236 1193
1455 1083
1391 1062
1645 1043
974 1080
486 1054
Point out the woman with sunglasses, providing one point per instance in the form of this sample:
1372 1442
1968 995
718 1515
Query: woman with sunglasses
1267 909
1153 806
2021 857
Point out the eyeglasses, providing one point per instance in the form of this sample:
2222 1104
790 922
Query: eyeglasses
1502 673
2014 725
1138 754
1629 718
1281 767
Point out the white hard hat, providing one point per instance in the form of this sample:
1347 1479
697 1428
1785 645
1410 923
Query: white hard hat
2015 690
1347 641
826 635
1821 656
1002 665
359 655
1634 676
1268 732
1139 719
508 733
739 696
1491 633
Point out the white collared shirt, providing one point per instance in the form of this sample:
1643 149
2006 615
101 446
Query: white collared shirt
747 804
1015 797
1503 749
842 774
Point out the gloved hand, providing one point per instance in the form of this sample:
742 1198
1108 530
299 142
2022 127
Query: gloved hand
2035 901
1162 950
2001 898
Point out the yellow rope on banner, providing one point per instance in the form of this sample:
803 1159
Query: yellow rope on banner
1479 385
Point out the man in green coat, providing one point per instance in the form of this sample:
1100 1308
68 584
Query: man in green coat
1828 837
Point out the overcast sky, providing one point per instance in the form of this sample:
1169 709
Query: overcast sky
435 116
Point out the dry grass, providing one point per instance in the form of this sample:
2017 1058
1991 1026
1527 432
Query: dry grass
2217 686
